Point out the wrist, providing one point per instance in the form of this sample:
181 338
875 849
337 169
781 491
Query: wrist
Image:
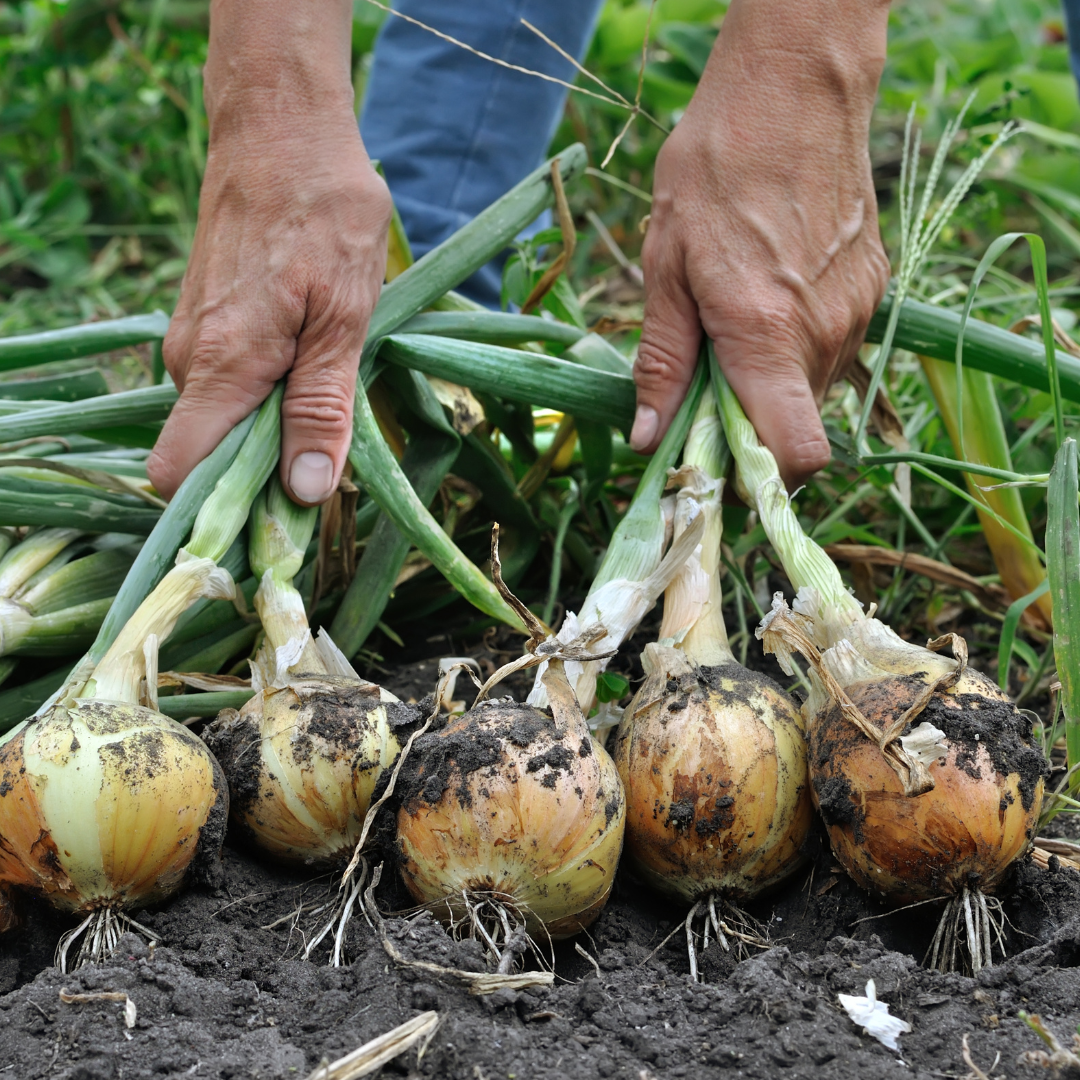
808 63
276 67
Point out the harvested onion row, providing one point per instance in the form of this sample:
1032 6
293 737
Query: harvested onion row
511 818
712 755
926 774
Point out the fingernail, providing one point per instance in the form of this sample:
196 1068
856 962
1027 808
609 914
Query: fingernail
646 420
311 477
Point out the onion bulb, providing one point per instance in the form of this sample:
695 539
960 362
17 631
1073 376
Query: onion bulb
512 813
926 774
712 755
986 772
107 805
303 760
304 754
713 761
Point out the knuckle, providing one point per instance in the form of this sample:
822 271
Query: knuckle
162 473
657 365
808 455
325 413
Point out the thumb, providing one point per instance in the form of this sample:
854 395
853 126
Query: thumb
666 359
777 398
317 410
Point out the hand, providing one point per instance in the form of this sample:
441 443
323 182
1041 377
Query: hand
289 250
764 223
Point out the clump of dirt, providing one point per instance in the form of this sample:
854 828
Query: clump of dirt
997 726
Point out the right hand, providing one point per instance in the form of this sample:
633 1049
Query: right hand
764 229
285 270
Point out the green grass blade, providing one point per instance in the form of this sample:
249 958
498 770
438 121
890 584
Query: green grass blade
1009 627
72 342
1063 570
1038 265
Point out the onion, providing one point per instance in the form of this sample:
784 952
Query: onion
926 774
106 805
511 815
302 761
985 772
714 764
712 756
304 754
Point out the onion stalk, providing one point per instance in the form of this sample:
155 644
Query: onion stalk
926 774
511 818
634 573
712 756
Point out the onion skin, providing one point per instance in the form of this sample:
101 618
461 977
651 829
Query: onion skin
968 830
302 762
107 805
714 766
502 802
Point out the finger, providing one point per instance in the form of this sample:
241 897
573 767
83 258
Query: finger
205 413
317 410
667 356
777 398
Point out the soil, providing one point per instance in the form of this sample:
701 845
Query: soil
225 995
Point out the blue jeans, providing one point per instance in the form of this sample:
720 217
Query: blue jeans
453 131
1072 29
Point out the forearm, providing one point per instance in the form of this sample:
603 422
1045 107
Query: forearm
276 64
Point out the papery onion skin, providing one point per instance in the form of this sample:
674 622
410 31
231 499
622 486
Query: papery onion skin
501 802
714 767
107 805
302 763
968 830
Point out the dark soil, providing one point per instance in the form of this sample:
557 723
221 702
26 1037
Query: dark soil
226 996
